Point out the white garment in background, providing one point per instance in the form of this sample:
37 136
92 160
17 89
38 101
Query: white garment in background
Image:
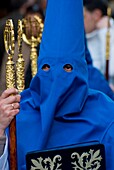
4 158
96 41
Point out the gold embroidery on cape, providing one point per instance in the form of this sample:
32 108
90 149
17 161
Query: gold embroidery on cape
87 161
47 163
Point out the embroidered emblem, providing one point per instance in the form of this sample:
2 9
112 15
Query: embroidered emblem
87 161
47 163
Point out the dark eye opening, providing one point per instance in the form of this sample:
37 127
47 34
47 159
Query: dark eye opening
46 67
68 68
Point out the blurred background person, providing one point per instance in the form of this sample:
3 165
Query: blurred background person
96 79
43 4
96 24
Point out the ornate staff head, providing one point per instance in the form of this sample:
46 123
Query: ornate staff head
20 62
9 41
33 28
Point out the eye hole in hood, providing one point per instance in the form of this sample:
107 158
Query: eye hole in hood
46 67
68 67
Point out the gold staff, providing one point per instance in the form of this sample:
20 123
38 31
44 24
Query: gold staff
20 62
108 44
33 40
9 42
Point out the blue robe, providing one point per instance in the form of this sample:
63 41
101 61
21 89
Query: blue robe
94 122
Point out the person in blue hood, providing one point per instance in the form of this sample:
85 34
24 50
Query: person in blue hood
96 79
59 108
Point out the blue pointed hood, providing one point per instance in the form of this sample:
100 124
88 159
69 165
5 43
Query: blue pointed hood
61 93
63 32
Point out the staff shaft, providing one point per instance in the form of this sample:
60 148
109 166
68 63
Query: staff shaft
13 145
107 70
